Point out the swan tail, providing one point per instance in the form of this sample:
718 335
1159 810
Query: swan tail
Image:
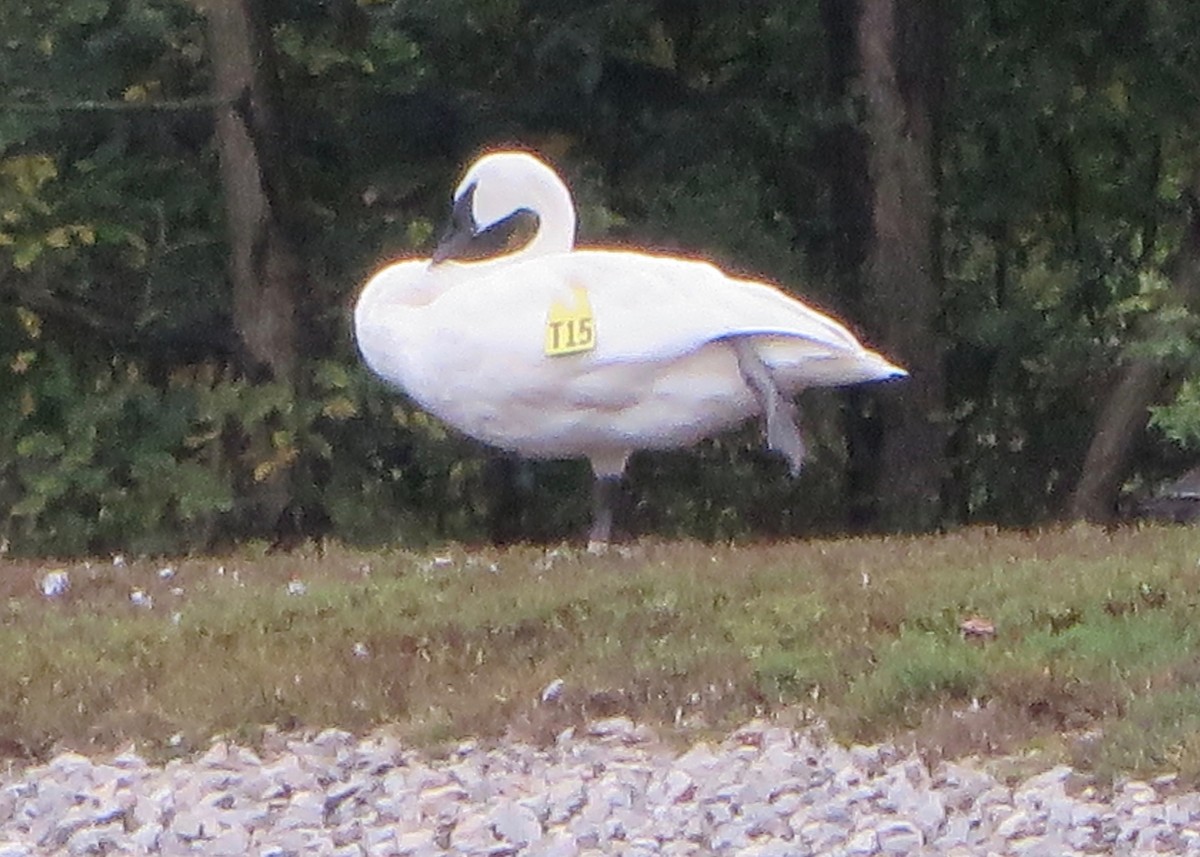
798 364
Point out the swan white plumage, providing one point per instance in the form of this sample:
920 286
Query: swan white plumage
553 352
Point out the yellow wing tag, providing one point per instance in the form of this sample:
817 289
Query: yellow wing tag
570 328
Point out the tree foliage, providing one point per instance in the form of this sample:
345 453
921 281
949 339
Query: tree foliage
1064 153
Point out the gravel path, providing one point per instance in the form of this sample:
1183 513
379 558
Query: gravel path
614 790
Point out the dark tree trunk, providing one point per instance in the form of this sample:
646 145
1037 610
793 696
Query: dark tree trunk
264 265
901 73
1140 381
1121 419
844 153
263 262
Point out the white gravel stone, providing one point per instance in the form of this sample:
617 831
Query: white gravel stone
899 837
729 837
610 789
96 840
776 849
613 727
557 844
230 843
55 583
863 842
565 798
515 824
1019 824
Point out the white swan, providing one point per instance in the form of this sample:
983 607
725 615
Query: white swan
553 352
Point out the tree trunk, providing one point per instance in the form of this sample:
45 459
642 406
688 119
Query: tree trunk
1139 383
843 153
263 264
900 67
1121 419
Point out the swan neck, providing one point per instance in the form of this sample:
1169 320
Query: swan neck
557 220
556 234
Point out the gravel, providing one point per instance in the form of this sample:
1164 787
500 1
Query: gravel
613 788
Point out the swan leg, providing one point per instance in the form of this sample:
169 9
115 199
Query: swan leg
605 490
783 436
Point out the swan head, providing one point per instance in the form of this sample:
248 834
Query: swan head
503 197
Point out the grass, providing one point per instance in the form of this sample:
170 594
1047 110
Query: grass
1095 661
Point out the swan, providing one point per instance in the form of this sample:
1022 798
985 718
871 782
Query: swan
553 352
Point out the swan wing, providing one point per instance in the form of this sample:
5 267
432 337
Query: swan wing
648 308
380 315
662 307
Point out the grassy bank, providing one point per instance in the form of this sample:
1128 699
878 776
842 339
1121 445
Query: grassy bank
1096 656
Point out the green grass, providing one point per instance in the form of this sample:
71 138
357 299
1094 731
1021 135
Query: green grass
1096 658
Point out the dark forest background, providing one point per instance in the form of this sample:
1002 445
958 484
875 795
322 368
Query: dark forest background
1002 195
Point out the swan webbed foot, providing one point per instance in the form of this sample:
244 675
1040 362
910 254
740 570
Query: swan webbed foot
783 435
605 490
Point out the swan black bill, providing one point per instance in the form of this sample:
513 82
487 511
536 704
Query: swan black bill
464 241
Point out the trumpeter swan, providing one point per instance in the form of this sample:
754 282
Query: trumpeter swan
553 352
